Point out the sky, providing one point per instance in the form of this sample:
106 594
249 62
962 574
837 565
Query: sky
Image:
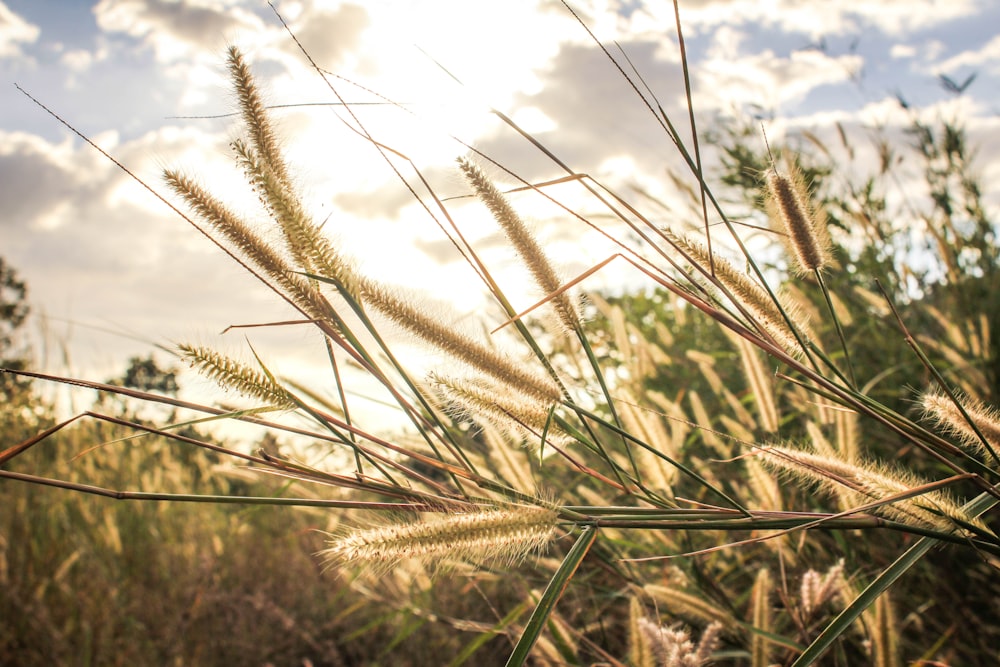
112 271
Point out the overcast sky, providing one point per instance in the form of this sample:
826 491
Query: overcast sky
114 270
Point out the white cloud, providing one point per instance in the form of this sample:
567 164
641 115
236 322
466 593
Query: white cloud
986 58
96 247
176 29
36 177
817 19
14 31
77 60
728 79
901 51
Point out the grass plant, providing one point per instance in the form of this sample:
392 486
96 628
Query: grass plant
606 479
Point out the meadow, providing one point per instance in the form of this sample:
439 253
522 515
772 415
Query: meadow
773 454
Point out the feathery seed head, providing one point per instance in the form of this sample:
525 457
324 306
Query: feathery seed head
644 639
689 605
437 333
656 645
816 590
789 205
751 296
248 244
255 114
231 374
941 409
500 405
504 536
935 509
524 243
224 221
311 250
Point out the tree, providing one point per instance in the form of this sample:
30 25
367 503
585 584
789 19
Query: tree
20 414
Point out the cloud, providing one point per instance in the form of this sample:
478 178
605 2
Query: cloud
78 60
732 78
96 248
818 19
987 57
35 180
176 29
329 35
14 31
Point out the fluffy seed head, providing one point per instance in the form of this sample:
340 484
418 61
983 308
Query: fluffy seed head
941 409
751 296
788 203
816 589
249 245
523 241
935 509
505 408
445 338
504 536
254 113
231 374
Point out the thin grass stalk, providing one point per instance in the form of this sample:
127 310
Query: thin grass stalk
846 396
934 509
438 429
760 613
465 249
146 496
681 467
912 343
838 326
693 165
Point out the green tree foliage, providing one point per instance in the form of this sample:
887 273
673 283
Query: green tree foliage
20 412
144 374
944 287
13 313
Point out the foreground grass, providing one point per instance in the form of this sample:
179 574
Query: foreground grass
742 456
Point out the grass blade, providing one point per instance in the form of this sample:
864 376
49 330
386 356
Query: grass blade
551 595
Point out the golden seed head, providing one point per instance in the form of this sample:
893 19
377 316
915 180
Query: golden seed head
816 590
751 296
504 536
509 410
871 483
789 205
437 333
941 409
524 243
255 115
231 374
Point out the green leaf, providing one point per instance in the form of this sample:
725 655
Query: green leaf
551 595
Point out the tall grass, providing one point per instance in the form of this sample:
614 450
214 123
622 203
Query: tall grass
651 504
